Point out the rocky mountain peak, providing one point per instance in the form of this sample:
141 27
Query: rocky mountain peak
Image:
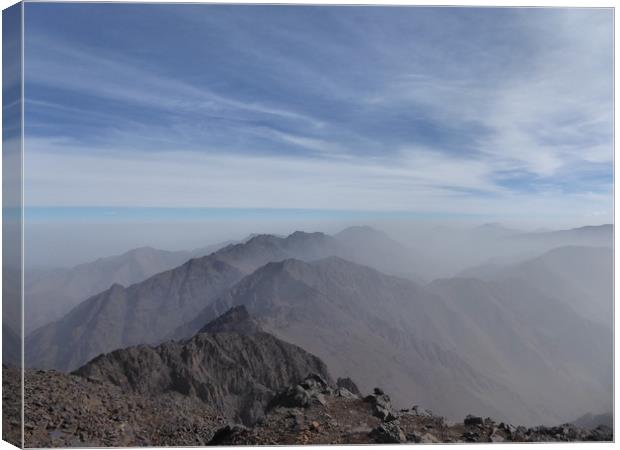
230 365
262 239
235 320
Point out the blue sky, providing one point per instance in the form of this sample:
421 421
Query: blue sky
502 112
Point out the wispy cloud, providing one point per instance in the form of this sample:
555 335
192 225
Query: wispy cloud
66 66
362 108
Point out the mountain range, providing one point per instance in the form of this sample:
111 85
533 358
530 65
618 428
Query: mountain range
503 346
149 311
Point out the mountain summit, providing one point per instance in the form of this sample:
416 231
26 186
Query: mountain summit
231 365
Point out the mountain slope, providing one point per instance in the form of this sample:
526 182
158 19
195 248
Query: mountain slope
532 343
426 347
376 328
374 248
148 312
581 277
49 294
235 373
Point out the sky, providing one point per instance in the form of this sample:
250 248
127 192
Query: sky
504 114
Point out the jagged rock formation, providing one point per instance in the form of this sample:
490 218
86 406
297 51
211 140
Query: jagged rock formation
236 373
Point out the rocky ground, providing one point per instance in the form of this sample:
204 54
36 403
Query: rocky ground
315 413
68 410
11 406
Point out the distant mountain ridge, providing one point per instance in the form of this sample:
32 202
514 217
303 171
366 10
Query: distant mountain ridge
581 277
149 311
587 235
49 294
158 305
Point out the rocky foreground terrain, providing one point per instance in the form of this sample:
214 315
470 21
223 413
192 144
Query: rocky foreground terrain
64 410
313 412
68 410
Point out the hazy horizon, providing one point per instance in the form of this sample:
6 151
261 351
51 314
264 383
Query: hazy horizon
63 237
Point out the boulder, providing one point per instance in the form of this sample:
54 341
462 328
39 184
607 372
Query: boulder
349 385
345 393
381 406
473 420
496 436
315 383
388 433
470 436
312 388
291 397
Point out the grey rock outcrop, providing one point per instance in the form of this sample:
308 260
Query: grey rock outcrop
236 372
312 389
349 385
381 405
388 433
472 420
